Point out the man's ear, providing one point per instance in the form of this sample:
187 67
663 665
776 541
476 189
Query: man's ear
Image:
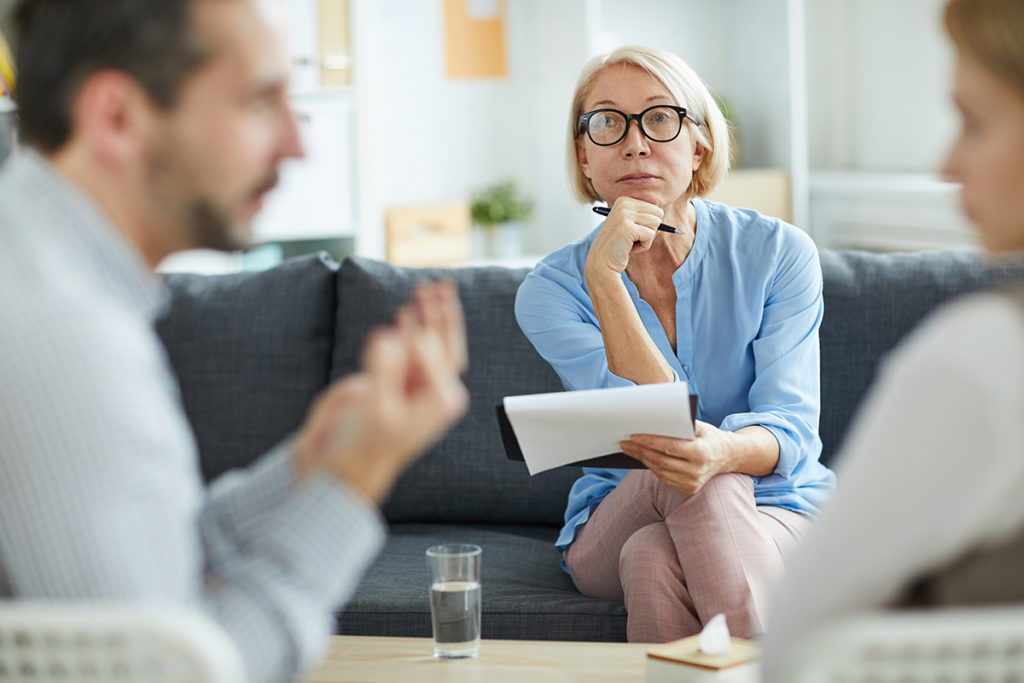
113 116
581 157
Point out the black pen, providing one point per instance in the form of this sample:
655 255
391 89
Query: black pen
604 211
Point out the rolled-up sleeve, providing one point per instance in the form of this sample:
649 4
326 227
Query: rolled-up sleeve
554 312
785 394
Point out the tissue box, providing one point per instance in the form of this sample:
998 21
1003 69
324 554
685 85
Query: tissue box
681 661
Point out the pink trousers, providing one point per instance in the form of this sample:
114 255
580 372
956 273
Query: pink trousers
677 560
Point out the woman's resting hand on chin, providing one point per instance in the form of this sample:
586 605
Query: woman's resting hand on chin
630 227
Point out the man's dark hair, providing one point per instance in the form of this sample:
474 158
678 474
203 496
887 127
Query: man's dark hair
63 42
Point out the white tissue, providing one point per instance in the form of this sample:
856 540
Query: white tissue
714 637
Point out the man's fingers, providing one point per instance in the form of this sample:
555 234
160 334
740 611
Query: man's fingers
455 326
333 411
439 309
439 388
407 318
385 360
426 301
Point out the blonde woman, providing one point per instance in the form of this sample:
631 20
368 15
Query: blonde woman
930 510
731 304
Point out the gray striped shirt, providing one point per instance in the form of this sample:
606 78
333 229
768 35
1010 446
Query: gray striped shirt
100 492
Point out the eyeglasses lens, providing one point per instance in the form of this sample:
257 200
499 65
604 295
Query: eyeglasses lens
660 124
607 127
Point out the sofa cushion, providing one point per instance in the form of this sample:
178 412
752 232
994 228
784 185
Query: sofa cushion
525 595
466 476
251 350
871 302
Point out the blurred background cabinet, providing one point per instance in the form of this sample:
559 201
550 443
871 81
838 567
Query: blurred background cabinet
317 198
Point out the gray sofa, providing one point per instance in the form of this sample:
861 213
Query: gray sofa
252 350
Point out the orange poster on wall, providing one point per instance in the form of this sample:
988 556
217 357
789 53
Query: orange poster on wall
475 38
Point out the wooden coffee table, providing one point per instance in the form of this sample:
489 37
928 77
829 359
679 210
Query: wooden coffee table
376 659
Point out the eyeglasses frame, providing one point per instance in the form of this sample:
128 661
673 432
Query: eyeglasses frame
584 122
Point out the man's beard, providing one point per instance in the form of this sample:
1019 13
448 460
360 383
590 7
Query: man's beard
202 222
208 226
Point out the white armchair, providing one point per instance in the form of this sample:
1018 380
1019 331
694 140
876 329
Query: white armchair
942 645
96 642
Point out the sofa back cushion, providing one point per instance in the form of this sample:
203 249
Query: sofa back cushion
871 302
251 351
466 476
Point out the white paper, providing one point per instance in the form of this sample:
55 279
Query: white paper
567 426
714 637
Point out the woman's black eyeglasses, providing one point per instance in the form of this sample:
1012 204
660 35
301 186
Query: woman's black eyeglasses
660 123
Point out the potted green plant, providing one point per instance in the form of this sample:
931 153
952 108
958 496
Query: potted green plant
499 213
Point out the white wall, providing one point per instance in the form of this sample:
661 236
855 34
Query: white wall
470 133
435 135
879 75
877 80
738 47
431 139
690 28
758 37
548 45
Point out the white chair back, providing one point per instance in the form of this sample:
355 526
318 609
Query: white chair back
912 646
96 642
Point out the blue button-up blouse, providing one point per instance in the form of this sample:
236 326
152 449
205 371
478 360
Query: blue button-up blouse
748 308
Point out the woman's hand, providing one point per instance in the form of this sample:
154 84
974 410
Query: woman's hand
688 464
631 226
683 464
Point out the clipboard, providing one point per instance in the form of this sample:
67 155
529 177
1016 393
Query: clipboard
611 460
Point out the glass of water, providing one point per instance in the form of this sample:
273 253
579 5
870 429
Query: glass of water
455 599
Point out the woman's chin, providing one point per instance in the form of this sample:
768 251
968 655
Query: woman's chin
644 196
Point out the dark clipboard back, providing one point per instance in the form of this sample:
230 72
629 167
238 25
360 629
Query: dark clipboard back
611 460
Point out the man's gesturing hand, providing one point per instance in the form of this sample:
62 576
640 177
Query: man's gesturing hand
367 427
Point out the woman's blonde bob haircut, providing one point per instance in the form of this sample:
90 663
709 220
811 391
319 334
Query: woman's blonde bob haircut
991 32
685 87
